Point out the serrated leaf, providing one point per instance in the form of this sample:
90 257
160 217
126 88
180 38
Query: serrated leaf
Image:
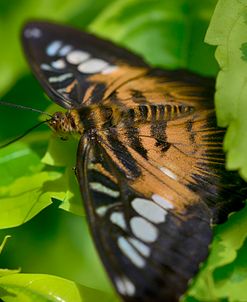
47 288
231 280
227 31
213 279
167 33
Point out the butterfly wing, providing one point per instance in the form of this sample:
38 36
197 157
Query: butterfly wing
170 87
75 67
149 245
152 193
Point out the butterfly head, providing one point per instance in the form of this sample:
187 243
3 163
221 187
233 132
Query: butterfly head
60 123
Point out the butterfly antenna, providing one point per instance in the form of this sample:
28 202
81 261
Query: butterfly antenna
24 108
24 134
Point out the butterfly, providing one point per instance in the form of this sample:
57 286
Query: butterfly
150 164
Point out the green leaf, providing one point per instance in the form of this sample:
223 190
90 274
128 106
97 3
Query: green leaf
227 31
5 272
167 33
212 283
4 242
70 194
231 280
18 160
47 288
27 196
63 154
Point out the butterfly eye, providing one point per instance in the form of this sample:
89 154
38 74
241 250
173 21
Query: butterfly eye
58 116
56 121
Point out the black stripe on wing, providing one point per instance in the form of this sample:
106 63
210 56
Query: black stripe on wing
149 251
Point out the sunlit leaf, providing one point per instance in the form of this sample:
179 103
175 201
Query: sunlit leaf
27 196
231 280
58 151
63 154
18 160
47 288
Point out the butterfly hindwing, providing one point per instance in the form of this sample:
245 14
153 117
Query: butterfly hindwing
152 198
142 238
73 66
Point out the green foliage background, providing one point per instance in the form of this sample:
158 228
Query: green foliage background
36 176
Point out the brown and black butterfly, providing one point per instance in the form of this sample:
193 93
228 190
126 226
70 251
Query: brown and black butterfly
150 163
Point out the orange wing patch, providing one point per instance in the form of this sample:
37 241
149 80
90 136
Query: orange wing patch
167 88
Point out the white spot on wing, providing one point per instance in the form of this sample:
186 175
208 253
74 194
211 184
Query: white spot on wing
109 69
162 202
96 186
46 67
59 64
118 219
60 78
101 210
149 210
143 229
65 50
77 56
53 48
93 66
33 33
125 286
128 250
62 90
141 247
169 173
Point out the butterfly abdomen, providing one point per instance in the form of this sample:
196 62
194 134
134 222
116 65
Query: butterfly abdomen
156 112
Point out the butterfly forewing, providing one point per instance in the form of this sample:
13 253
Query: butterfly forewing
73 66
150 163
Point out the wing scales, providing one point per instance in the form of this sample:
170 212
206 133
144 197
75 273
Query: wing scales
142 244
74 67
